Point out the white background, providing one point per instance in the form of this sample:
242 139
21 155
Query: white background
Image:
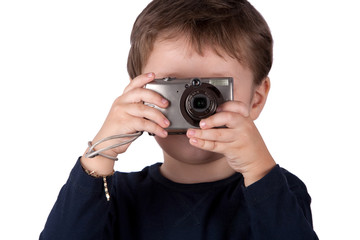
62 63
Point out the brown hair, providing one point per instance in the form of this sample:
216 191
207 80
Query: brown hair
234 27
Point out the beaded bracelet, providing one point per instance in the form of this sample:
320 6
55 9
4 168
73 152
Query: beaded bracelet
95 175
93 153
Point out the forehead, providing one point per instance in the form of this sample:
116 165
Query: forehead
179 57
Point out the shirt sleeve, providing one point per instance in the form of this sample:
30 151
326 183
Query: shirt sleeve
81 210
279 207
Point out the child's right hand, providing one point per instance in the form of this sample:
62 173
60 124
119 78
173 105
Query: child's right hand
127 115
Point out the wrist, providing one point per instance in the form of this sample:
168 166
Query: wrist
257 171
101 165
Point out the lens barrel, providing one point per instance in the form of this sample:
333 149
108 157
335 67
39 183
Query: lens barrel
200 100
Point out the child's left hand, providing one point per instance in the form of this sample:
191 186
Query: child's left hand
240 142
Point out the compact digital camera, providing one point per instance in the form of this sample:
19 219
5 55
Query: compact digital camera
191 99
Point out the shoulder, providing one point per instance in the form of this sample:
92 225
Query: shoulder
296 185
293 181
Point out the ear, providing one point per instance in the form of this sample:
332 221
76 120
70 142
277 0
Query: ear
259 98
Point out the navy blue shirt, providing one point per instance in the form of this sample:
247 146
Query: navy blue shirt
146 205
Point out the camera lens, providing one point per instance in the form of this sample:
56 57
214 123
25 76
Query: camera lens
200 103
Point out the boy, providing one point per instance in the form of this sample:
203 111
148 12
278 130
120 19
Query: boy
214 183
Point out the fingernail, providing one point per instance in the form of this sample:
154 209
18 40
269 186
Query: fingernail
166 122
202 124
191 132
164 101
193 140
164 133
219 109
149 75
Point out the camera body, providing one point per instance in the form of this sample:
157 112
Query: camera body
191 99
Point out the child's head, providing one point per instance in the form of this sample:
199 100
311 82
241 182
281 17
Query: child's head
203 38
233 27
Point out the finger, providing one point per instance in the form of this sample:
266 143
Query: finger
211 146
143 111
228 119
142 124
140 81
235 106
145 95
224 135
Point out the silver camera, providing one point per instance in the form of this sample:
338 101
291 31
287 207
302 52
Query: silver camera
191 99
